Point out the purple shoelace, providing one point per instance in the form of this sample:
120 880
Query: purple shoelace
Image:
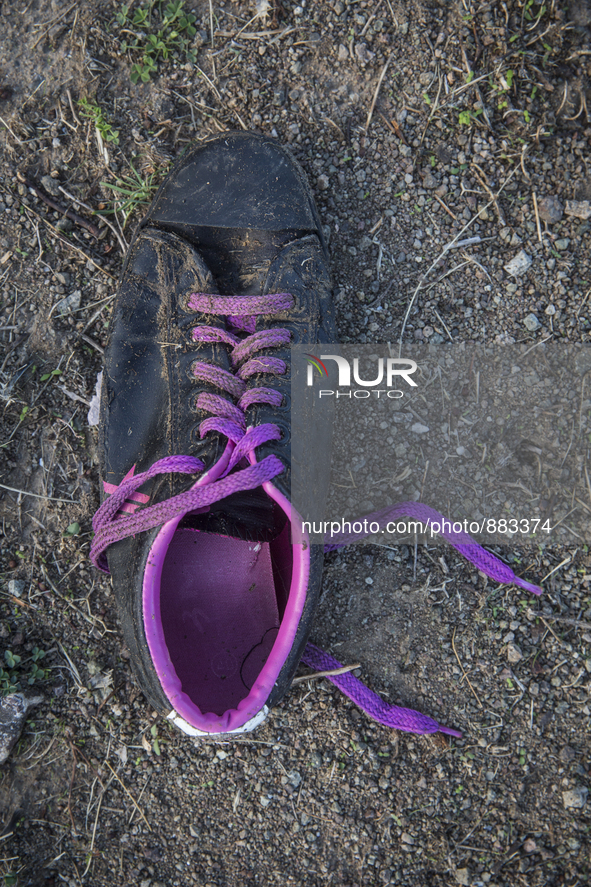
111 525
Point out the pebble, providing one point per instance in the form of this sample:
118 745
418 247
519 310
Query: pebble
16 587
463 876
519 264
52 186
576 798
514 654
550 310
69 303
530 845
532 323
369 581
13 713
429 181
419 429
550 209
408 178
562 244
580 209
322 182
567 754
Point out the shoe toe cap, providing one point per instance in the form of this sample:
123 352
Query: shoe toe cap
237 181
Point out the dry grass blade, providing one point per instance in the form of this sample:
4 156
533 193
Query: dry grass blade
453 644
376 93
37 495
130 796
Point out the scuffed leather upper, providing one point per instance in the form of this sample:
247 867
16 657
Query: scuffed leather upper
149 389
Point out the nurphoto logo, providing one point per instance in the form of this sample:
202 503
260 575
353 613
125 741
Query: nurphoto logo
391 368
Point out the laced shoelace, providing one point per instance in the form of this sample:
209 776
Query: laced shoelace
111 525
229 419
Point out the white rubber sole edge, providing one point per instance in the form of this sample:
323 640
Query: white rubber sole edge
193 731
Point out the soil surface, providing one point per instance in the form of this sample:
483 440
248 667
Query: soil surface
417 123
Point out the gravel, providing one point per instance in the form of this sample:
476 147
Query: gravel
320 795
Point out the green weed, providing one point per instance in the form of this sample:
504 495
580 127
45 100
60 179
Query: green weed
132 192
91 111
12 675
153 33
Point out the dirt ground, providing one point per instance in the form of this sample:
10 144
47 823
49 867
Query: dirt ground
414 120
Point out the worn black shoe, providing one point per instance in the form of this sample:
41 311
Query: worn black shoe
215 581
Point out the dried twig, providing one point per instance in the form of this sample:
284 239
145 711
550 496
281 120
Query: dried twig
326 674
129 795
69 243
122 242
446 208
453 644
481 176
37 495
375 95
539 227
53 204
72 778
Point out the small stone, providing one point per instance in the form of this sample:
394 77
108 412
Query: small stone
13 713
463 876
550 311
532 323
407 839
562 244
343 53
550 209
419 429
567 754
363 53
16 587
52 186
69 303
322 182
428 331
264 801
514 654
576 799
429 181
519 264
580 209
530 845
66 225
408 178
278 96
369 581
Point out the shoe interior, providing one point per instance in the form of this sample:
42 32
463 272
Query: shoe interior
221 604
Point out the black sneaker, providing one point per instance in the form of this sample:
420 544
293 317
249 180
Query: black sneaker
216 584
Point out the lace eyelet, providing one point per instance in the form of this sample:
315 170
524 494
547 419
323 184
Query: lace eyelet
285 428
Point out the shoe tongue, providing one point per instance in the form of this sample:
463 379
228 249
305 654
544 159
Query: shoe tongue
250 515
